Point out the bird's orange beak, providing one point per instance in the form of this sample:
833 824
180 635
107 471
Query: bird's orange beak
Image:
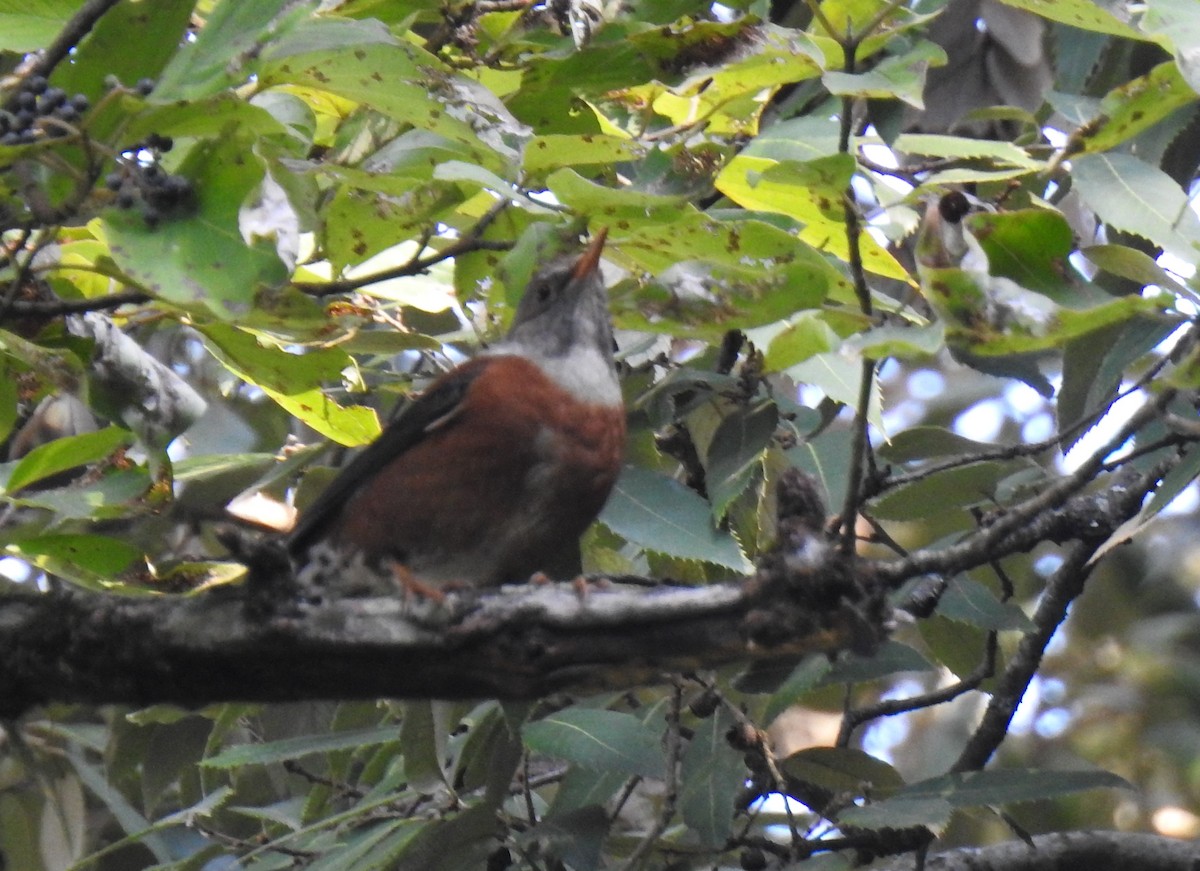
590 259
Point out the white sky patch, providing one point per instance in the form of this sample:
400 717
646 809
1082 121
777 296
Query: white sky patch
1038 428
1187 502
926 384
1102 432
981 422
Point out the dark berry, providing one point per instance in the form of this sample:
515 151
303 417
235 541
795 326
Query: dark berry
152 216
126 198
51 100
35 84
10 139
81 103
162 143
26 100
24 119
144 86
114 180
753 859
153 173
499 860
66 113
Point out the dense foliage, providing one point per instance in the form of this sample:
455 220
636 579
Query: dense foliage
236 234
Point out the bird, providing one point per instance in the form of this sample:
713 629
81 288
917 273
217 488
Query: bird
492 474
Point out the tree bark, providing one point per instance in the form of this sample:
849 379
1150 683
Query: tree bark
517 643
1069 851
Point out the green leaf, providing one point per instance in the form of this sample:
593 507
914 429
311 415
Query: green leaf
905 342
60 368
1136 106
8 397
1185 470
933 813
924 802
1064 325
160 25
105 499
900 77
462 841
291 379
96 553
812 193
200 261
357 225
414 78
293 748
971 602
424 745
203 466
373 846
892 657
729 98
28 26
750 273
1141 199
962 148
1030 246
576 837
947 491
804 678
659 514
66 453
710 775
598 739
735 450
206 118
126 815
843 770
929 442
545 153
581 787
960 647
223 47
1083 14
827 459
490 756
1173 23
806 336
1136 266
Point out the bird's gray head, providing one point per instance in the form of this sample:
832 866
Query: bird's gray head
565 308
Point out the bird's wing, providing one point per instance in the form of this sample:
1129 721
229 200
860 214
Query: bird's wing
435 408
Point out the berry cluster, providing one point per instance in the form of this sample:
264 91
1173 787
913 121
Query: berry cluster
38 109
140 179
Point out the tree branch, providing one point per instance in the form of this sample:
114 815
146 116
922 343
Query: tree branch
72 34
55 307
1095 851
1015 529
518 643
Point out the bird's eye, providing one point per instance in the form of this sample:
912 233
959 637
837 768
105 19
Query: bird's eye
544 292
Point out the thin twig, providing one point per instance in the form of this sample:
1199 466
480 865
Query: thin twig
674 748
71 35
55 307
1012 452
854 718
1062 589
417 265
858 450
951 558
